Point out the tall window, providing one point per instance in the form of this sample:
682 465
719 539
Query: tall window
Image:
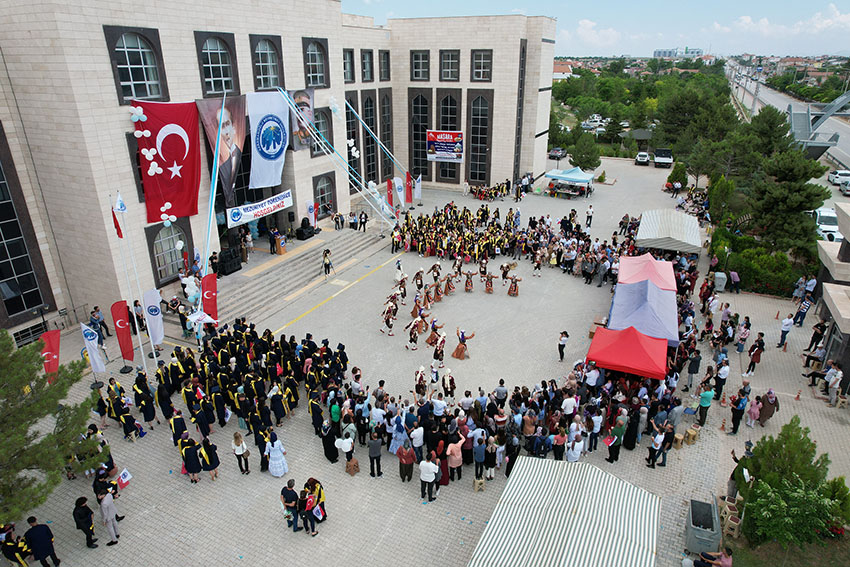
137 70
448 121
384 64
320 121
386 135
266 65
479 129
167 257
367 67
215 62
18 284
242 193
482 65
420 66
351 134
370 147
348 65
419 124
450 65
315 65
323 193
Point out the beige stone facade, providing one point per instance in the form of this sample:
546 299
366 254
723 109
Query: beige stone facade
65 148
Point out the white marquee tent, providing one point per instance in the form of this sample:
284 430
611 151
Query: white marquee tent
669 229
562 514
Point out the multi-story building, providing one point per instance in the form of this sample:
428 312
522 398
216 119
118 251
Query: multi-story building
69 73
677 53
834 307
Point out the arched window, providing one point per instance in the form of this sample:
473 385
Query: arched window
218 71
137 68
315 65
167 257
324 194
320 121
448 121
419 123
370 147
386 135
480 127
266 65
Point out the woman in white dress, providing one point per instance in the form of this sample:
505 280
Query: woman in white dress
275 453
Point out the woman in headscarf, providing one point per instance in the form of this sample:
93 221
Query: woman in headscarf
315 488
276 401
328 442
399 435
406 457
276 455
770 405
440 454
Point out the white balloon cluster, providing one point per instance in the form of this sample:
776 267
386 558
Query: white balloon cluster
167 218
191 288
334 106
355 153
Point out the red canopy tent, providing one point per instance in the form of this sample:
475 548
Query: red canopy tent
629 351
634 269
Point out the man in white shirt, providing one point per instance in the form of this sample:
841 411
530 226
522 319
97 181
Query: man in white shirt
568 406
438 405
588 216
787 323
834 383
417 439
591 377
720 378
427 474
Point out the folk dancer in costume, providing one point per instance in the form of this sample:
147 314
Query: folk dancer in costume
401 284
417 305
457 267
488 286
482 268
417 278
505 268
438 294
450 287
435 380
449 389
440 349
435 271
388 319
435 333
421 325
427 300
467 286
538 261
420 389
413 334
462 351
513 290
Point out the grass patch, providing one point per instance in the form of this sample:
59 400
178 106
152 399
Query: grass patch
836 553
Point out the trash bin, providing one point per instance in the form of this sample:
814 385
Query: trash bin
702 532
719 281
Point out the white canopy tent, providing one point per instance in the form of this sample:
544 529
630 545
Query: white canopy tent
561 514
669 229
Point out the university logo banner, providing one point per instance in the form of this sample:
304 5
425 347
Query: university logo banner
254 211
233 131
153 315
90 339
170 154
269 119
399 190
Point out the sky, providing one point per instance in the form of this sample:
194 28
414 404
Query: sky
620 27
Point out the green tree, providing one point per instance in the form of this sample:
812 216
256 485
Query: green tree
613 128
701 161
718 197
771 130
616 67
585 154
39 435
679 173
792 513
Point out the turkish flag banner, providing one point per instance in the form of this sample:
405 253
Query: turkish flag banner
170 155
408 188
390 191
120 316
50 352
209 294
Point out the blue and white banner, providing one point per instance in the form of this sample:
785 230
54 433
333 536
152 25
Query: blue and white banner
398 184
153 315
417 188
254 211
269 117
90 338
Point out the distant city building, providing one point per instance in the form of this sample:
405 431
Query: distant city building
677 53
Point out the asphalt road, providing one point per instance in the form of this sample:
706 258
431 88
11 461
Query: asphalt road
840 153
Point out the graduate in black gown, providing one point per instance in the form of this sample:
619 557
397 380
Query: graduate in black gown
163 400
277 406
191 460
148 409
178 426
218 403
199 418
209 458
328 442
630 438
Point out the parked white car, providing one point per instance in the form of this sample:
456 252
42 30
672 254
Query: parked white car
837 176
845 187
827 224
642 158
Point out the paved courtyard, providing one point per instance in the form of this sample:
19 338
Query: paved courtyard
237 520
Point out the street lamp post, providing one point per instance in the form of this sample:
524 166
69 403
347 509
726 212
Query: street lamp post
41 310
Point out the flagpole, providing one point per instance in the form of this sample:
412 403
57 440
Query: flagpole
132 311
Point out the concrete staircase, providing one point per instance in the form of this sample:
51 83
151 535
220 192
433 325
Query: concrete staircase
241 296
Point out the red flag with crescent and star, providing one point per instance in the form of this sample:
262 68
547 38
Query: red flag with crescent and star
120 316
170 156
209 293
50 352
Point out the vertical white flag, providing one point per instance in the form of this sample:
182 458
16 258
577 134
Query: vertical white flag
90 338
398 184
269 117
153 315
417 188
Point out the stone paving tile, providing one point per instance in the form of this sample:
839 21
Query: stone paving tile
237 520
